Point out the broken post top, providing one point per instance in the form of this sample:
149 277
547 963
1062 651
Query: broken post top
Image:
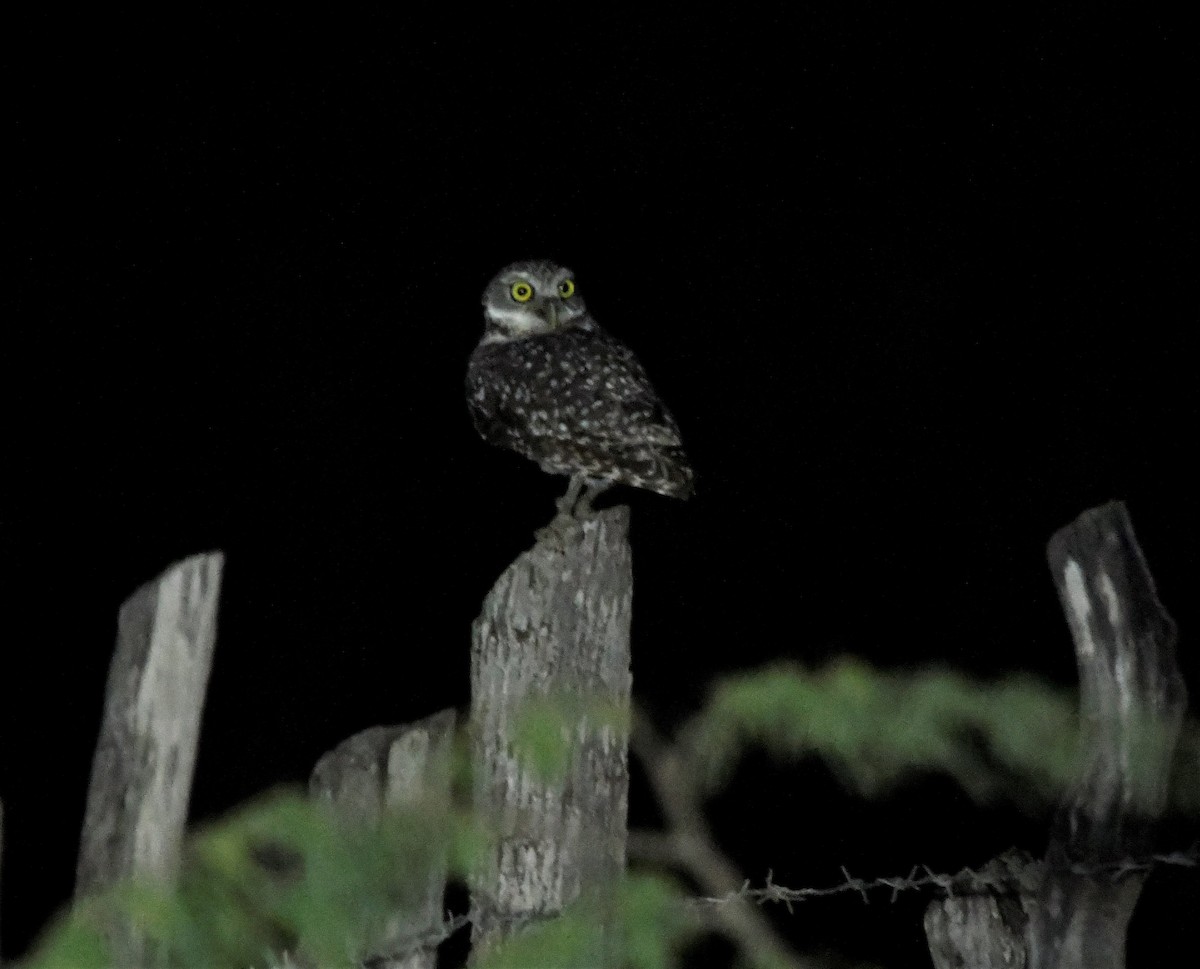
1110 601
1132 694
386 767
146 750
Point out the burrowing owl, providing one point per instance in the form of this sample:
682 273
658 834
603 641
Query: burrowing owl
547 382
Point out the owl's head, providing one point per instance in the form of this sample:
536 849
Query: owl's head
531 298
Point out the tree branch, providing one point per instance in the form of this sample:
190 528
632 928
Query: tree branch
689 844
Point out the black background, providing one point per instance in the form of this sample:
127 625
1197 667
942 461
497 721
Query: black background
919 289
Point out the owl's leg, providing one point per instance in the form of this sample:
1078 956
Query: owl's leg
564 528
593 491
566 504
574 505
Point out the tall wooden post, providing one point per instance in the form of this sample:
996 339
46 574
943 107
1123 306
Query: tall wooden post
556 627
142 771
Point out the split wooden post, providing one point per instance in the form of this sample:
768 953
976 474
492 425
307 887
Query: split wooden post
142 771
388 768
1133 701
1072 913
554 628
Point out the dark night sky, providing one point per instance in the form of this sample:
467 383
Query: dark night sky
918 290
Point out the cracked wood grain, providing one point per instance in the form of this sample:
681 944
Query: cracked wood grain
150 730
1066 911
395 768
554 627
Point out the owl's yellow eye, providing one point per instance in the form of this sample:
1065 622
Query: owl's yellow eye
522 292
566 288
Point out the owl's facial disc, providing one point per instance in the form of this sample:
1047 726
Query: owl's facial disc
529 299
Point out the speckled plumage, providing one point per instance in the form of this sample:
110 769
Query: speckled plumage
547 382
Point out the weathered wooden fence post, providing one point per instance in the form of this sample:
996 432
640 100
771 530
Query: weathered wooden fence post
1072 914
142 771
1133 701
389 768
555 627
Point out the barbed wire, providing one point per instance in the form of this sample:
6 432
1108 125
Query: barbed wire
1005 874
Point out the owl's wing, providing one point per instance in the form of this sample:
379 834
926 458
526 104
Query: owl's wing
627 434
486 400
578 403
638 413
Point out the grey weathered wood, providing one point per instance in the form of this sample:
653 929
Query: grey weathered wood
555 625
142 771
388 768
976 931
969 930
1132 702
1073 914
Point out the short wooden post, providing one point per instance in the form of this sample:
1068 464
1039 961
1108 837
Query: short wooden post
1072 912
388 768
555 626
142 771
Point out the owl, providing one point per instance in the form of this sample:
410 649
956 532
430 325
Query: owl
547 382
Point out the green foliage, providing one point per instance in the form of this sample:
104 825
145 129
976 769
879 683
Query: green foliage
651 926
654 925
75 942
541 738
561 943
876 728
543 729
276 876
1185 772
283 876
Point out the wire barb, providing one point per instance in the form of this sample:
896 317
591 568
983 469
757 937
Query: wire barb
992 878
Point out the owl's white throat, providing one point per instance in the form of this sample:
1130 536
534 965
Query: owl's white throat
511 324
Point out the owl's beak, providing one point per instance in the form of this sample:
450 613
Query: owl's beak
550 313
